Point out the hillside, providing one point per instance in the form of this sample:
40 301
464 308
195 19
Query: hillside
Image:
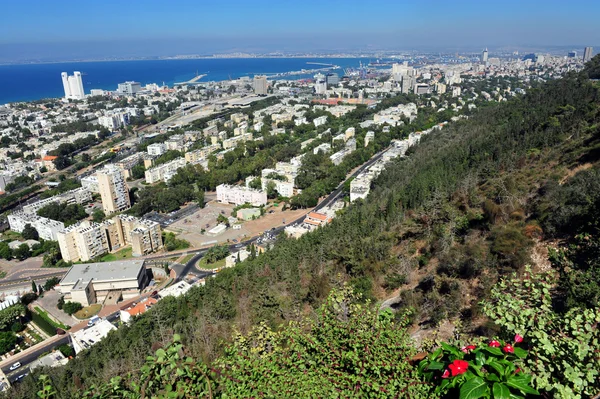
468 206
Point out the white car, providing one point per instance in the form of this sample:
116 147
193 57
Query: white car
15 366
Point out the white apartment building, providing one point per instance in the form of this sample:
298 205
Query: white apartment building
73 86
165 171
90 183
156 149
47 228
240 195
79 195
321 120
325 148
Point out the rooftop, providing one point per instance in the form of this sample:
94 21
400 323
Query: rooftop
104 271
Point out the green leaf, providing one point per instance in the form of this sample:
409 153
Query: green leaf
493 351
521 382
474 388
521 353
435 366
500 391
479 358
497 367
451 349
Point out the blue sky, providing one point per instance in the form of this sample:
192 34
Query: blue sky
97 28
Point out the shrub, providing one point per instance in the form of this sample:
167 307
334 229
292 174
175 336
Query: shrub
72 307
564 347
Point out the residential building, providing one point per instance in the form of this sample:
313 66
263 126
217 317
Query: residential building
260 85
156 149
164 171
126 315
47 228
233 141
325 148
129 88
316 219
588 53
73 86
201 154
369 137
82 241
127 163
144 236
86 338
484 56
175 290
240 195
236 257
321 120
89 283
90 183
113 190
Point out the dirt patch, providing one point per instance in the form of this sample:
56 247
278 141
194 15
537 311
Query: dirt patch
574 171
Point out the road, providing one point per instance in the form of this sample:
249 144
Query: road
182 271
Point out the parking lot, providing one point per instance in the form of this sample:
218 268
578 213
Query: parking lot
190 227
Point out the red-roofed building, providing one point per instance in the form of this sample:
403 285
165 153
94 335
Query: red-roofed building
48 162
317 219
127 314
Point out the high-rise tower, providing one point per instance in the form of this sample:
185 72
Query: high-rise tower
73 86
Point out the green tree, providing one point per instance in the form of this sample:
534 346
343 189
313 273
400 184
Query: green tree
8 340
30 233
5 251
11 314
22 252
98 216
72 307
34 286
51 283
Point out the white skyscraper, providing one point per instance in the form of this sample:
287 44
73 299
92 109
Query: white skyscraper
588 53
484 56
73 86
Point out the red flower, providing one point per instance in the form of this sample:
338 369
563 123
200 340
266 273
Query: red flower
508 348
446 374
494 344
458 367
518 339
468 348
517 371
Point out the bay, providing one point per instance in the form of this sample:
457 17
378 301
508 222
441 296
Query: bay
36 81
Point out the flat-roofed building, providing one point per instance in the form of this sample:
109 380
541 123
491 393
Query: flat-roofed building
144 236
82 241
156 149
88 337
47 228
113 190
165 171
89 283
240 195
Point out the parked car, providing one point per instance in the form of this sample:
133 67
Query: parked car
15 366
93 320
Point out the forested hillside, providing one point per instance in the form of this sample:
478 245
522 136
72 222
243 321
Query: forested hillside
472 204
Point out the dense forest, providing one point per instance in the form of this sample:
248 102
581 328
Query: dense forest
446 234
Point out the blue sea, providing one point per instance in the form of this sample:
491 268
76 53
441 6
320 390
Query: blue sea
36 81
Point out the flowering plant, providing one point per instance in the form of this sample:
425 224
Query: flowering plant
489 370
